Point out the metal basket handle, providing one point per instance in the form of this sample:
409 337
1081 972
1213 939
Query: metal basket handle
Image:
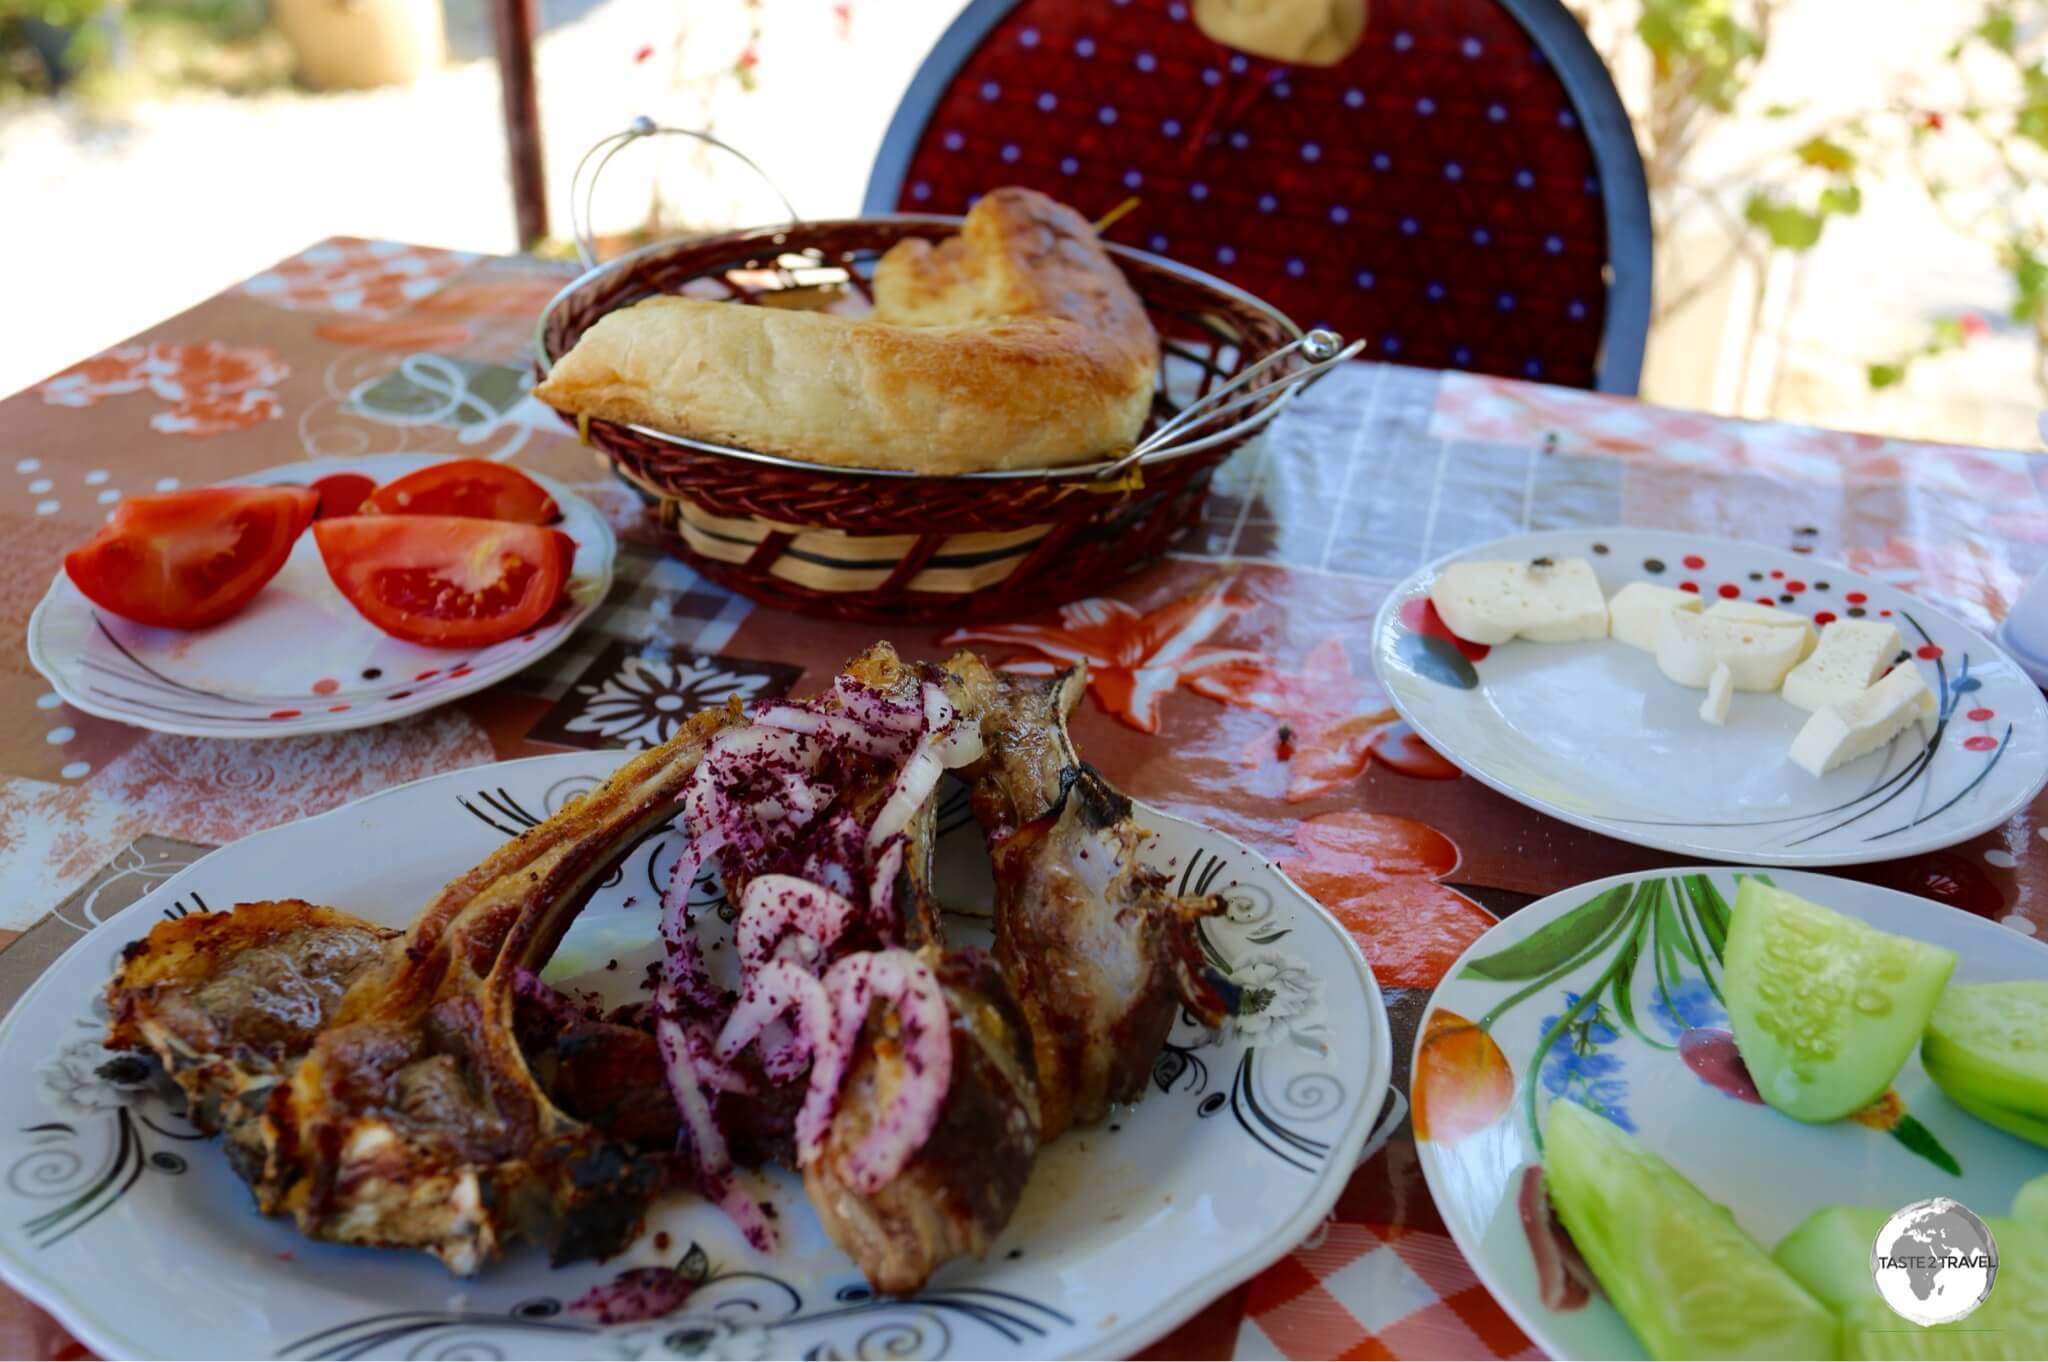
1324 350
583 186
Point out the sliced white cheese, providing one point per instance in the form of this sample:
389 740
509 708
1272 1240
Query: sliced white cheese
1749 612
1851 656
1844 730
1689 647
1720 686
1638 608
1547 600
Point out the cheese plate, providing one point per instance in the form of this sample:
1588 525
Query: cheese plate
1594 733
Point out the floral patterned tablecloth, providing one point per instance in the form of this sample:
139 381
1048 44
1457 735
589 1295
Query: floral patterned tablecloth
1231 683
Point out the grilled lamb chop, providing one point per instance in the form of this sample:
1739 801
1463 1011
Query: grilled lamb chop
917 1126
958 1192
374 1085
1097 951
413 1120
230 1002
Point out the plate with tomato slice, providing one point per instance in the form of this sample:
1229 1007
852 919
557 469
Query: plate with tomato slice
320 596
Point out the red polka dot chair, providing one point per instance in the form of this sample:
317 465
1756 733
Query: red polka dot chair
1463 190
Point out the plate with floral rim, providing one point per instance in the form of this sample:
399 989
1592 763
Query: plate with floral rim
1593 733
126 1223
299 658
1607 995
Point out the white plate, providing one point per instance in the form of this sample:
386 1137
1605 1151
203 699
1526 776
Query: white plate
1768 1170
1594 734
299 658
117 1218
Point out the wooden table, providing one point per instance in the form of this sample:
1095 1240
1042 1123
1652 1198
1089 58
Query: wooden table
1377 471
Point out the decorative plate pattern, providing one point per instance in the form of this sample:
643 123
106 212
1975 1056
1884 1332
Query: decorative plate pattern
1609 995
299 659
1594 734
119 1218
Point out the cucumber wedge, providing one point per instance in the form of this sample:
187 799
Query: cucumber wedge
2012 1322
1677 1267
1993 1038
2030 1203
1829 1255
2024 1125
1825 1009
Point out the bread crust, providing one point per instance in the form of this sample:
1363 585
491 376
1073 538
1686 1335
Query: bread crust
1017 344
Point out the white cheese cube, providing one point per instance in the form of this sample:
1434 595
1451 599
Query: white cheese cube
1851 656
1638 608
1749 612
1844 730
1547 600
1689 647
1720 686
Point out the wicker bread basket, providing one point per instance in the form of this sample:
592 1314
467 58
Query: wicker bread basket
897 547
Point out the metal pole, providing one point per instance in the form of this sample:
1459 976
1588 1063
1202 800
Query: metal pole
517 24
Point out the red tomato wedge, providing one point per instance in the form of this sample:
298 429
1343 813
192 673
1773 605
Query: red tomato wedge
184 560
466 487
342 493
446 581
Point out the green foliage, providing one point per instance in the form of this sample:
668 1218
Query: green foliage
2030 120
1788 225
1702 41
58 13
2029 275
1704 55
2000 28
1793 228
1823 154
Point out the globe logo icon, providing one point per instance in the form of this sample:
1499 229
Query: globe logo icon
1934 1261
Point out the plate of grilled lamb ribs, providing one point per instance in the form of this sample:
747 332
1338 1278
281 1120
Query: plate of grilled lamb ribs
819 1030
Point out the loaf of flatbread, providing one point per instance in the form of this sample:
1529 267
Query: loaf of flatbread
1017 344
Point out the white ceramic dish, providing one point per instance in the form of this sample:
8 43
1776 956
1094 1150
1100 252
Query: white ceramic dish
1594 734
1768 1170
299 659
122 1221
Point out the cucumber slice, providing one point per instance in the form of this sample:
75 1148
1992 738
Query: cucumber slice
2030 1203
1994 1038
2025 1125
1829 1254
2012 1322
1824 1009
1677 1267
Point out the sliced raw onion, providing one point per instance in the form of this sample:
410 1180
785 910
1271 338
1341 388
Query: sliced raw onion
872 739
713 1073
926 1032
782 987
882 882
685 973
871 706
707 1141
914 784
682 877
755 799
775 906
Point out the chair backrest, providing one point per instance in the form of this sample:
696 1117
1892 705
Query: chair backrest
1463 190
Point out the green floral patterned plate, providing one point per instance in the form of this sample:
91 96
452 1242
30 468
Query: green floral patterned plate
1609 995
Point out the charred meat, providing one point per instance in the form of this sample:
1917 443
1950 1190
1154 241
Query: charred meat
1098 952
412 1118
